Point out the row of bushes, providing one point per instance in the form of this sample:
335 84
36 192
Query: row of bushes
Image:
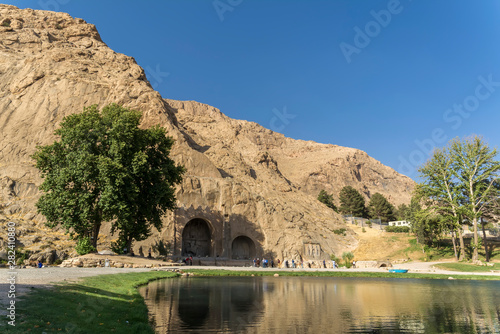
398 229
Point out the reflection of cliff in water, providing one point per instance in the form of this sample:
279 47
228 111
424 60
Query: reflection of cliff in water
328 305
194 303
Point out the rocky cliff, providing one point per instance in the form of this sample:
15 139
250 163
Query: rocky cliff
248 191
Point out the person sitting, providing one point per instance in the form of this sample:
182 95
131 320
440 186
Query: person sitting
39 264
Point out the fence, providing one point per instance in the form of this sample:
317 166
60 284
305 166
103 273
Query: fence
375 223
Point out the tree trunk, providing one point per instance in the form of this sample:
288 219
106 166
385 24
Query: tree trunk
454 241
485 243
475 253
129 245
462 244
95 234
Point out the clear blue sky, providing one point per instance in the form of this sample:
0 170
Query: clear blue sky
392 78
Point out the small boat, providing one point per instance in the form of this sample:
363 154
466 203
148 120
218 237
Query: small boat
399 271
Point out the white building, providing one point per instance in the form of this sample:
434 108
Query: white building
400 223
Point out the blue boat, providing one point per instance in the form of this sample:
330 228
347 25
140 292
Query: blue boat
400 271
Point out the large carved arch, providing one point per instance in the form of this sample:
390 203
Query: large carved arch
242 248
197 238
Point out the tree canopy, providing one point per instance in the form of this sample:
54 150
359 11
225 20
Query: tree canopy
460 182
105 168
327 199
351 202
379 207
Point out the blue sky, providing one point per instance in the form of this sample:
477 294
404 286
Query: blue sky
392 78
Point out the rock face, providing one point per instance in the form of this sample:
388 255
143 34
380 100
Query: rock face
247 192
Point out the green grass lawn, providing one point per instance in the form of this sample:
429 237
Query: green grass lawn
204 272
112 304
99 304
466 267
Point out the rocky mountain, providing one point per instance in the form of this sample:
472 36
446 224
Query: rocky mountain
248 191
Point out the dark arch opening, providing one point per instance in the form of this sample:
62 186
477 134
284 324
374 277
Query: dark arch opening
243 248
196 238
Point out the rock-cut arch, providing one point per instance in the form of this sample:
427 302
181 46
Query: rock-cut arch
196 238
243 248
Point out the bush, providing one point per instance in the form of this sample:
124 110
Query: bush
84 246
340 231
398 229
118 246
334 258
162 248
21 256
347 256
363 230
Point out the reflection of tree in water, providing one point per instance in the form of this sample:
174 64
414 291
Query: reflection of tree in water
325 305
194 304
213 303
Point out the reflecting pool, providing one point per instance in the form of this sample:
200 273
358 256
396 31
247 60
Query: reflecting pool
322 305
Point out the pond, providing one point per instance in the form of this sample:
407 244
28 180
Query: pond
322 305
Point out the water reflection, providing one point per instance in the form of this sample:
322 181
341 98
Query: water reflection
328 305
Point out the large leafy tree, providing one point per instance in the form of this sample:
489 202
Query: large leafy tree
105 168
351 202
327 199
444 194
476 170
379 207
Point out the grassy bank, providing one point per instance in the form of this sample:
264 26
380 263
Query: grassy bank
204 272
99 304
466 267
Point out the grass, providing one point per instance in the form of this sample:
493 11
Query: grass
207 273
465 267
112 304
99 304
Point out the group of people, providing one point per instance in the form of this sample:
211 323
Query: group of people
296 264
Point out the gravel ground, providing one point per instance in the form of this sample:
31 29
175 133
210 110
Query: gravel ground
27 279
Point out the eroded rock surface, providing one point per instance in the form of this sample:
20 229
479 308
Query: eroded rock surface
241 180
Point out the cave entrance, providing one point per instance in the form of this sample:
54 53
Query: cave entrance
243 248
196 238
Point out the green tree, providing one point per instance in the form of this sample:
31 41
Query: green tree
402 212
477 171
379 207
443 193
351 202
105 168
327 199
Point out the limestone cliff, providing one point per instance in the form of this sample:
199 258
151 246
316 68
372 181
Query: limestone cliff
249 190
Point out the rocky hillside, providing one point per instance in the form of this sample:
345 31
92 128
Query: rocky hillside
242 179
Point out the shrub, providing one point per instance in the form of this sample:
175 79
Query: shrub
363 230
340 231
21 256
334 258
347 256
398 229
118 246
162 248
84 246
